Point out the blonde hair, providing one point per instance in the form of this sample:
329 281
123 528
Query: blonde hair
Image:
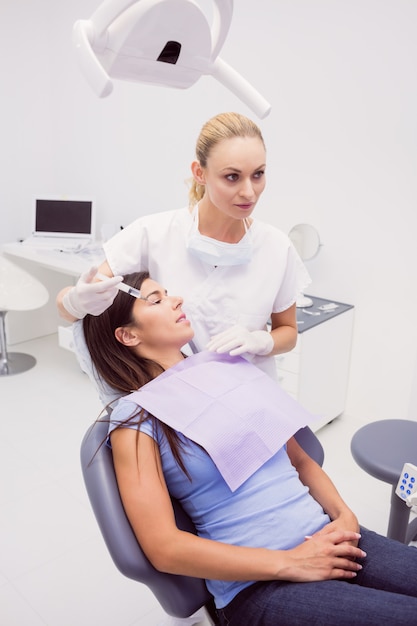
218 128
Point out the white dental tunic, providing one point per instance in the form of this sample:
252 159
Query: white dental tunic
215 298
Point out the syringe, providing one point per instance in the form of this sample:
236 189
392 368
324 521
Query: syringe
122 286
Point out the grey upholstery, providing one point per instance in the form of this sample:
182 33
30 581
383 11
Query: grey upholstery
310 444
106 393
179 596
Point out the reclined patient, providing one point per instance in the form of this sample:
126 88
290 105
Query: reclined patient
275 542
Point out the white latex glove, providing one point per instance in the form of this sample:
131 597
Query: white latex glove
89 296
238 339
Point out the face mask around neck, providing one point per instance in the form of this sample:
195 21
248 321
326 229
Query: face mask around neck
218 253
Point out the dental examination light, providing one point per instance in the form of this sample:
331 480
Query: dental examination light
160 42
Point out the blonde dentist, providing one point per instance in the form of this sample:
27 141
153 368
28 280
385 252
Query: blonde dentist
235 272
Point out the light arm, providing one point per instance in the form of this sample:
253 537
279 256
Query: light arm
96 76
222 17
238 85
93 33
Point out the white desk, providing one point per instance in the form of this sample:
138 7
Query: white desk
55 270
68 263
316 371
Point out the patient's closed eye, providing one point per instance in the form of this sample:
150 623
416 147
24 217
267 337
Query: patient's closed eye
153 299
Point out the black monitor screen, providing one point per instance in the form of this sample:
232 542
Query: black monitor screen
64 216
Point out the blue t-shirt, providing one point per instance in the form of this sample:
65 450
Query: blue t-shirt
272 509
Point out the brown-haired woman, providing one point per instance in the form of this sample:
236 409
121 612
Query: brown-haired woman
282 547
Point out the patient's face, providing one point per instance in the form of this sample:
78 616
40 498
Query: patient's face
159 317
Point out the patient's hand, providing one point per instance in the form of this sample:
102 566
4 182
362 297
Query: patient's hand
345 521
325 556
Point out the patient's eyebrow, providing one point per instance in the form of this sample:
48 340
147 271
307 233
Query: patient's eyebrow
156 292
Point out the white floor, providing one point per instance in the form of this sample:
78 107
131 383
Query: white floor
54 567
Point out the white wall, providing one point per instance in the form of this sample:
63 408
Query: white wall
341 140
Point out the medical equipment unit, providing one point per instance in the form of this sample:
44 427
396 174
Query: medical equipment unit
163 42
407 485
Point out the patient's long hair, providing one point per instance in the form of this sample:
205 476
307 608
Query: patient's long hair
120 366
116 363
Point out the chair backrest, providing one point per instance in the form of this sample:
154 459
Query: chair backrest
179 596
106 393
310 444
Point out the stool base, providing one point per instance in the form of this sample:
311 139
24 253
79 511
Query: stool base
16 363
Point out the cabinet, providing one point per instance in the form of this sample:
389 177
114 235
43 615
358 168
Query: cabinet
316 371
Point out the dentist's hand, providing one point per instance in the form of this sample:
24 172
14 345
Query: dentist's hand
91 297
237 340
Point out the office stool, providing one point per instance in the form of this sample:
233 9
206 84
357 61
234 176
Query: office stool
19 291
381 449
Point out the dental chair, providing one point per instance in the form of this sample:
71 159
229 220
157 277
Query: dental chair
179 596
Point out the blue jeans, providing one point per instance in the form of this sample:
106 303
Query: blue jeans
383 593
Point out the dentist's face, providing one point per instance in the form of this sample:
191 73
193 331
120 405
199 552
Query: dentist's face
235 175
159 319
